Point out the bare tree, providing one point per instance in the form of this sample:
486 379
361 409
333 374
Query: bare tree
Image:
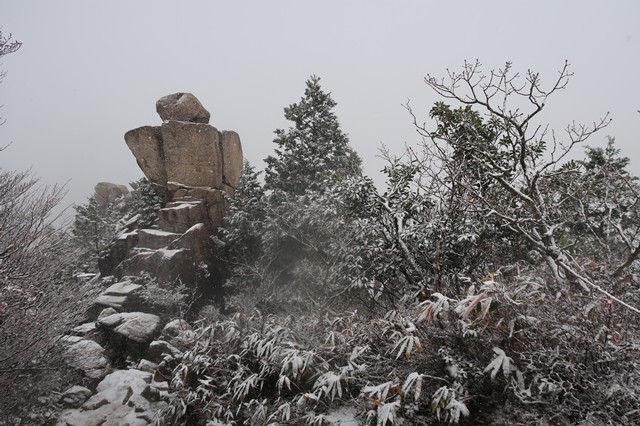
508 153
39 302
6 47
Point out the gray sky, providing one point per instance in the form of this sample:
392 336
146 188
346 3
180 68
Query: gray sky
91 70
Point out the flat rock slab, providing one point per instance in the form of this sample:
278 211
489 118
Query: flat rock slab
123 288
138 327
120 296
155 238
179 217
167 266
118 401
84 329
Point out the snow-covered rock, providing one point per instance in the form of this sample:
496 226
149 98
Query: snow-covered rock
75 396
136 327
119 400
89 357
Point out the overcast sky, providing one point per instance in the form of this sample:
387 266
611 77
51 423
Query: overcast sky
89 71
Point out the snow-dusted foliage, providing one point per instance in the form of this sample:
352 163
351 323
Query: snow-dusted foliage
489 282
95 227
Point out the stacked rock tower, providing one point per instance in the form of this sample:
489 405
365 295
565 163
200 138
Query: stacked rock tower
192 165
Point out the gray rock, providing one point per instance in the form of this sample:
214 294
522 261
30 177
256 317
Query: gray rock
192 154
120 296
106 312
147 366
182 107
146 145
197 240
138 327
155 238
232 158
123 288
175 328
75 396
81 418
118 401
166 265
110 301
89 357
178 217
214 201
107 193
84 329
159 349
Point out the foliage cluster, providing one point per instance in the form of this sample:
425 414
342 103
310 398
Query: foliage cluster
95 227
491 281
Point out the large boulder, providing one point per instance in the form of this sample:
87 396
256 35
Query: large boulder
146 145
192 154
137 328
156 238
88 356
166 265
198 241
107 193
182 107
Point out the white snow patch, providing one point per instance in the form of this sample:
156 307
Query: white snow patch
342 416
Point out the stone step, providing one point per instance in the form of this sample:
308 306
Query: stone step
166 265
155 238
120 296
178 217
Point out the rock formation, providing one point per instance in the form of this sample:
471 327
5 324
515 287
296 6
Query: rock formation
195 167
187 159
107 193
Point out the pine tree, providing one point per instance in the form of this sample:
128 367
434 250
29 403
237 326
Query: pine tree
246 218
314 150
145 201
93 230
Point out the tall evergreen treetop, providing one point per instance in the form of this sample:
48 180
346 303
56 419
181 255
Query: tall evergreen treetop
314 149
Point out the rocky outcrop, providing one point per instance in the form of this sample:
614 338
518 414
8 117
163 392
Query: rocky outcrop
124 397
185 149
107 193
195 167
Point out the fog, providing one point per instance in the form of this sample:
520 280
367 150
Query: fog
90 71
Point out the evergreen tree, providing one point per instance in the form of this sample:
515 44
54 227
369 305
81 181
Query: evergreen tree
245 220
93 230
145 201
314 149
